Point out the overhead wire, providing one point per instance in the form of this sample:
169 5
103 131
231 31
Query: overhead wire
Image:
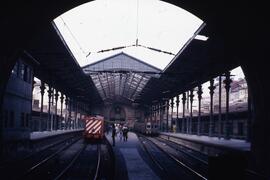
136 42
73 36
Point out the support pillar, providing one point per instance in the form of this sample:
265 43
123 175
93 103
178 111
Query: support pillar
151 114
199 109
211 118
61 108
219 107
66 113
184 98
42 91
70 123
49 107
56 118
76 113
172 121
52 115
187 118
167 115
160 116
191 96
249 120
227 83
177 111
155 113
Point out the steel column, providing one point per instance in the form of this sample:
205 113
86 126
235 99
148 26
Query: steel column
227 83
219 107
42 91
177 111
199 109
211 92
49 107
183 117
191 96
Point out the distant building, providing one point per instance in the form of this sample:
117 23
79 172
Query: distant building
238 95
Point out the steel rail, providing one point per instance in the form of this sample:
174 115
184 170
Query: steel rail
74 159
178 161
188 154
151 156
39 164
11 163
98 162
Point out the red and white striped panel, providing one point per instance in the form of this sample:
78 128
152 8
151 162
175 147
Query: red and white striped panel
93 126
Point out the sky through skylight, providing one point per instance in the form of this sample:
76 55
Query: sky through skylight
106 24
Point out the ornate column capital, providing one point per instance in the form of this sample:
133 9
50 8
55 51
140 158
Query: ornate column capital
211 87
191 96
56 95
227 81
200 92
42 88
62 98
50 91
184 98
177 100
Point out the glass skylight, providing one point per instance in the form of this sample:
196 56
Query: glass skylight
142 25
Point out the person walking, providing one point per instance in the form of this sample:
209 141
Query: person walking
125 133
120 133
113 134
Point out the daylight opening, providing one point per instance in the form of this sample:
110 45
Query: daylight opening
152 31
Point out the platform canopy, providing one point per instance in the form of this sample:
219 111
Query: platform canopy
120 77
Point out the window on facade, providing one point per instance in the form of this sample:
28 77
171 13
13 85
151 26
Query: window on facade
22 120
11 119
5 118
29 75
15 69
27 120
240 128
25 75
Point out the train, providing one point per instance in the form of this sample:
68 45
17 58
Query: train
94 128
146 128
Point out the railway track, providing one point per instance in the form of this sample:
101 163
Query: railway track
171 163
95 161
189 157
14 170
72 159
13 162
198 156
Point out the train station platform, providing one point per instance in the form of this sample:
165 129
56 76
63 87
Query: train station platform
45 134
206 141
129 163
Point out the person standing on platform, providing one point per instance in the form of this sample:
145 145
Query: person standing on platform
113 134
120 133
125 133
